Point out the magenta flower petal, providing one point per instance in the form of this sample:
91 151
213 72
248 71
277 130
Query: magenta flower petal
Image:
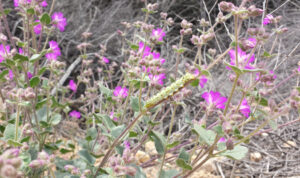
251 42
158 34
37 28
75 114
243 58
214 99
245 108
4 51
147 50
268 19
44 3
222 139
11 75
202 80
59 21
157 79
29 75
55 51
120 92
72 85
105 60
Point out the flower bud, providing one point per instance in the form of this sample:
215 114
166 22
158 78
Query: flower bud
170 21
131 171
163 15
226 6
227 127
229 144
204 23
86 35
253 11
8 171
3 38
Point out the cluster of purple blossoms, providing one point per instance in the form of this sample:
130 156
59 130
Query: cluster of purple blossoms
157 79
55 51
37 28
105 60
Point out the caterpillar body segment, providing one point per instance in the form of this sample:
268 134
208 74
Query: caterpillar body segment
170 90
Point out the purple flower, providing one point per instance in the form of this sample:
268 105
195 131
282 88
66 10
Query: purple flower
11 75
37 28
121 92
4 52
72 85
298 68
158 34
157 79
105 60
214 99
59 21
245 108
44 3
29 75
243 58
268 19
75 114
146 51
55 51
18 2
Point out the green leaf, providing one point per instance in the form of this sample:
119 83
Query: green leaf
181 163
262 101
30 11
134 102
35 57
266 54
55 119
237 70
169 173
20 57
85 155
238 153
40 103
134 47
92 132
106 120
206 73
207 136
9 132
7 11
273 124
34 81
219 130
195 83
45 19
132 134
13 143
159 141
105 90
184 155
42 70
3 74
10 63
172 145
26 139
64 151
115 132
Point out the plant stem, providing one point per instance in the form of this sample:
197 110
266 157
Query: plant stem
17 122
168 139
231 94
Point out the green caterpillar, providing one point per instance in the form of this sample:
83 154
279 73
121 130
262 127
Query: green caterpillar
170 90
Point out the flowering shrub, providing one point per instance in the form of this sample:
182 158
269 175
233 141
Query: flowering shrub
123 113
